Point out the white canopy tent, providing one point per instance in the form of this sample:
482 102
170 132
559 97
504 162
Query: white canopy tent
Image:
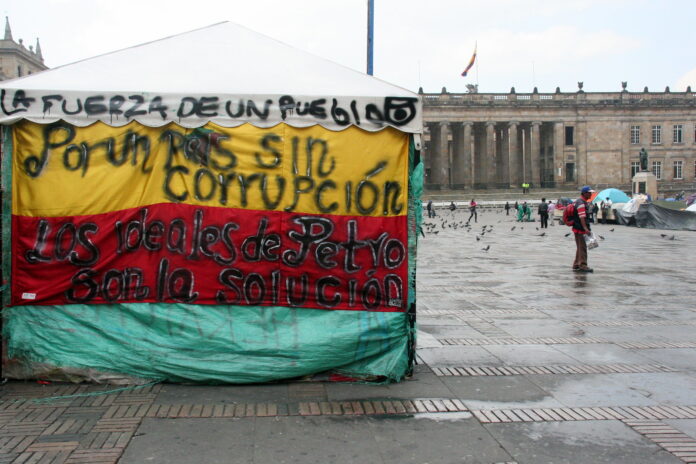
229 76
247 77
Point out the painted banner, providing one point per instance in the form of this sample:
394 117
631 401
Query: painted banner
284 216
117 109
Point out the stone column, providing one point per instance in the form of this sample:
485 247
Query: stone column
504 156
480 161
490 155
468 156
527 147
458 165
558 155
534 154
438 155
462 159
514 156
431 154
443 154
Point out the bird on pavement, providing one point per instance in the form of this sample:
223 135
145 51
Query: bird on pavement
487 248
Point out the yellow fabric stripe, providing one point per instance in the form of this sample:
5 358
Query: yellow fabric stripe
62 170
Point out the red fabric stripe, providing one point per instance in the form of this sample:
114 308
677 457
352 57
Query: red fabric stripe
205 255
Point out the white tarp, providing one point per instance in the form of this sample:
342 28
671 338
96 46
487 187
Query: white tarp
223 73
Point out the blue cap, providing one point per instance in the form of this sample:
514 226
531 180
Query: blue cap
586 189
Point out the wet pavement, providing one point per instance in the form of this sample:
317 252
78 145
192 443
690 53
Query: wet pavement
521 360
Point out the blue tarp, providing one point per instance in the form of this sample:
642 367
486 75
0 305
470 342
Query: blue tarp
615 195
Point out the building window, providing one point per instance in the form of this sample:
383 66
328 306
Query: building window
677 133
569 135
635 135
677 174
635 168
657 169
656 134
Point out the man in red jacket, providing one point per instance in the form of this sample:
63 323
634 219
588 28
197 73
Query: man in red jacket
581 227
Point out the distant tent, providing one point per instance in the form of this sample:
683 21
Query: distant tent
615 195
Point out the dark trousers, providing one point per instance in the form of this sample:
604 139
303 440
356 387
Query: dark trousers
544 220
473 215
580 252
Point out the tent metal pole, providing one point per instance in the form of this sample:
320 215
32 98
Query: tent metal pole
370 34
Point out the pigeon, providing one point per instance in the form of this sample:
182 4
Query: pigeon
611 230
436 232
478 238
541 234
600 236
487 248
537 228
513 228
568 234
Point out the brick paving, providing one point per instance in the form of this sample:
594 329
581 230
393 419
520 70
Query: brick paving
83 433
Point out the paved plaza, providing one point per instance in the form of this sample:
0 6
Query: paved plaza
520 360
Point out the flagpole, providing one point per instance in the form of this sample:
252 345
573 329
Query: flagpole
370 34
477 63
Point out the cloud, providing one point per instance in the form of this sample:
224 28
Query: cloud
687 79
506 57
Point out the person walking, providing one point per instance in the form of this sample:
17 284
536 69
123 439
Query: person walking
431 213
581 228
606 210
507 208
472 210
552 208
595 215
543 212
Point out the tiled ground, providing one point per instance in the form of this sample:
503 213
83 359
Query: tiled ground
521 361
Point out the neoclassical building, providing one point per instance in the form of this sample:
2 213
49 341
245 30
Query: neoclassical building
16 60
560 139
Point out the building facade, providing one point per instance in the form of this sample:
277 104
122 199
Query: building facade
559 140
15 59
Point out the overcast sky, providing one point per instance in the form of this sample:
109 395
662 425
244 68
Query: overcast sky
521 43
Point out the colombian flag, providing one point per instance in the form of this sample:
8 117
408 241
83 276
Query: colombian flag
471 63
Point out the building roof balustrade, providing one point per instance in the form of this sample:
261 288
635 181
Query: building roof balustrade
551 99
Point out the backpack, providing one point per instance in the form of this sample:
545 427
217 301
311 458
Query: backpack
569 215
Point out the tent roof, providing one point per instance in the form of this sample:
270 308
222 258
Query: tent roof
616 196
222 63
